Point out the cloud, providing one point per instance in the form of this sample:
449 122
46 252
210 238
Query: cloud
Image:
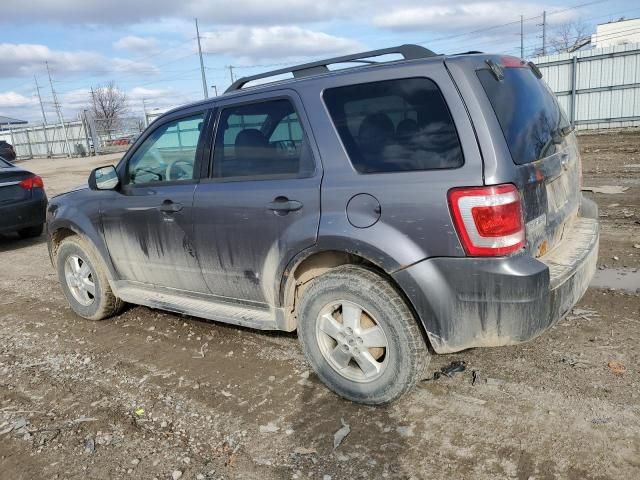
124 65
461 16
126 12
252 44
74 100
158 98
136 44
19 60
14 100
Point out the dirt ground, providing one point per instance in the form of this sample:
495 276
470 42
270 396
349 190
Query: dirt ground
155 395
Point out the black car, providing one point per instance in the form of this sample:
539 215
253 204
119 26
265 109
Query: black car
7 151
376 210
23 202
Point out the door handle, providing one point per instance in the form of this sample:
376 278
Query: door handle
169 206
282 205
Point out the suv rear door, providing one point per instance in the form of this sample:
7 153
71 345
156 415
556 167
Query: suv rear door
261 204
541 155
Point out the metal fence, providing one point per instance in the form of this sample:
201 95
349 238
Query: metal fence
598 88
78 138
49 140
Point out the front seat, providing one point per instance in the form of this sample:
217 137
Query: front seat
251 152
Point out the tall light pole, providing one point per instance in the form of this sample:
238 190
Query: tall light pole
215 89
204 78
144 112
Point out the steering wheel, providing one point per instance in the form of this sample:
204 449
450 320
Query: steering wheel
177 171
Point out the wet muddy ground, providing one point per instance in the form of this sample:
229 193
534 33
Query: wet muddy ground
155 395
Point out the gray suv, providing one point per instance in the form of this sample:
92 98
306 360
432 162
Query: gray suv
382 210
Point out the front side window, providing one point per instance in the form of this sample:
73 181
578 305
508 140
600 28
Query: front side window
263 139
395 126
168 154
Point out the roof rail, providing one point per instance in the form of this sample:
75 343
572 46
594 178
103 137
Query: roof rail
408 51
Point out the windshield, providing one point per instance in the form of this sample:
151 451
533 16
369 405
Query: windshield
531 119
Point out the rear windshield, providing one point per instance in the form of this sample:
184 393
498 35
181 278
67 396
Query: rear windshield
4 163
395 126
529 114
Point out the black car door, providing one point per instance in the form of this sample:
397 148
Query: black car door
148 223
261 205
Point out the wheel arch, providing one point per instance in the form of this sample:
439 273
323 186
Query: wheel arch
58 231
312 263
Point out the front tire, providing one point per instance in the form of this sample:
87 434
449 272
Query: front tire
84 281
360 337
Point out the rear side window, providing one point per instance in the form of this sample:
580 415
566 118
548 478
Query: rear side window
4 164
528 113
395 126
262 139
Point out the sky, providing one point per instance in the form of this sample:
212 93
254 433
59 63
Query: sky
148 47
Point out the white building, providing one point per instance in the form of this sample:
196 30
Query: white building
621 32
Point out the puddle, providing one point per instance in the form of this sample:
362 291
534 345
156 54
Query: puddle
618 278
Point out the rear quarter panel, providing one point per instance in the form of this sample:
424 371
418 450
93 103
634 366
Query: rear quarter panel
415 222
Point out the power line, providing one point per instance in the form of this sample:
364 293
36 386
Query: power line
515 22
500 41
606 36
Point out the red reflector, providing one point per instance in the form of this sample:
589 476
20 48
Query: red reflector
512 62
488 219
32 182
497 221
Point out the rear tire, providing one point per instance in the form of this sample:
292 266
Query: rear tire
84 281
360 337
31 232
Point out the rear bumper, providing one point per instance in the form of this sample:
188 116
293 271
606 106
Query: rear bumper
24 214
483 302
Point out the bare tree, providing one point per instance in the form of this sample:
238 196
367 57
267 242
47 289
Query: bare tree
569 36
108 105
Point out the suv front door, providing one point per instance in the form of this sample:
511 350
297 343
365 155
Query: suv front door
261 204
148 223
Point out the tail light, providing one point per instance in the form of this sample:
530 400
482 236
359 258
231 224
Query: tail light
488 219
32 182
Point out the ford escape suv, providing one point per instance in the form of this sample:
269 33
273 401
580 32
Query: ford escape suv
377 209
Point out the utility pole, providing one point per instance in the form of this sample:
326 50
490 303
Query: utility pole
215 89
59 110
544 32
44 119
93 99
231 73
521 36
204 78
144 112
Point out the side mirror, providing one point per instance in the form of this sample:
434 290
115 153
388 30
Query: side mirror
104 178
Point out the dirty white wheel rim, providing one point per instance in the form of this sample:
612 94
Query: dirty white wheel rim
79 280
351 341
